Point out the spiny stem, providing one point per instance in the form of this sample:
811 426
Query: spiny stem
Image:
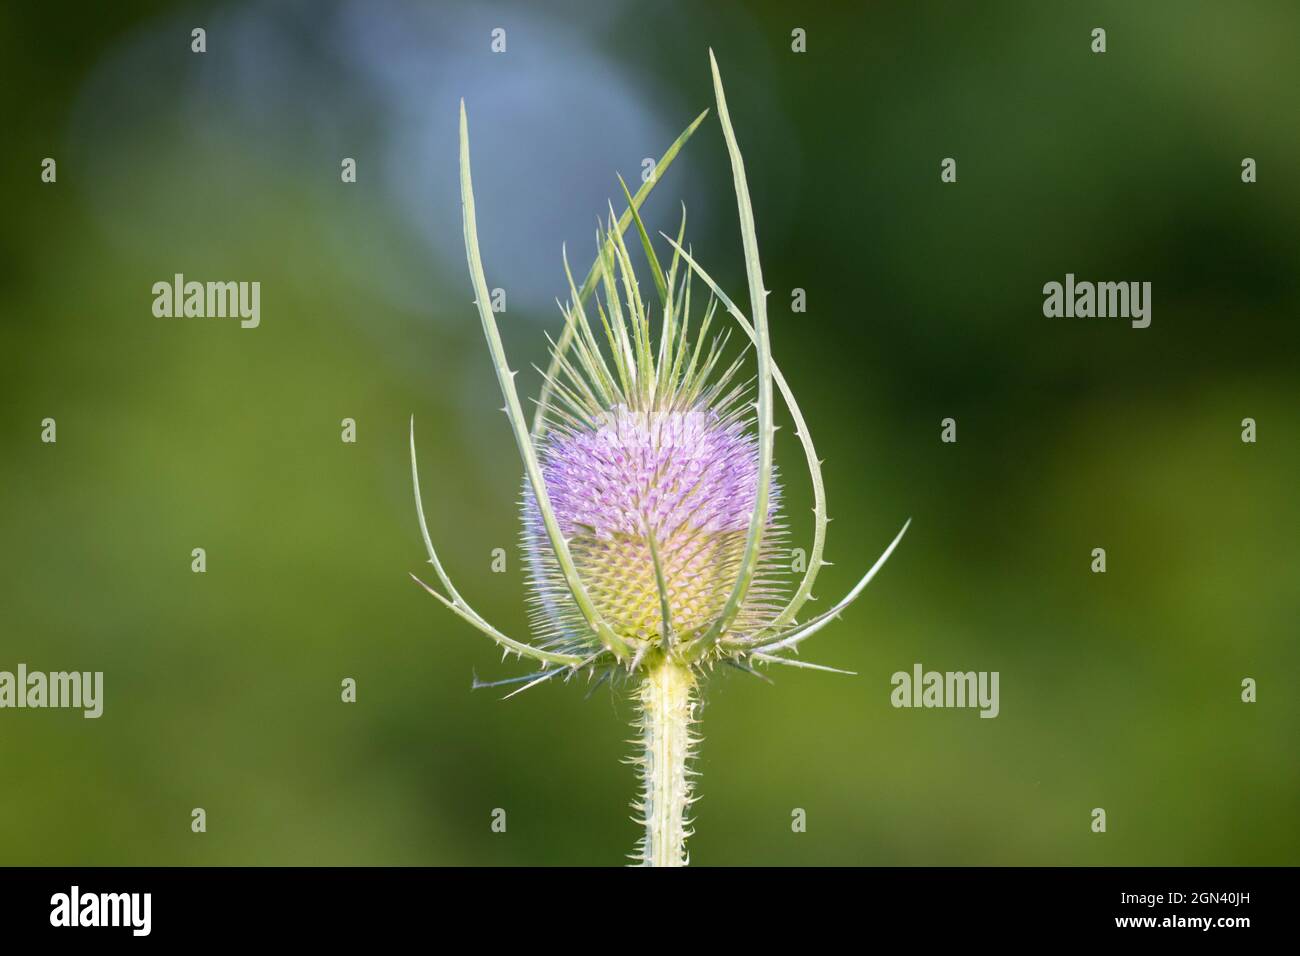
667 712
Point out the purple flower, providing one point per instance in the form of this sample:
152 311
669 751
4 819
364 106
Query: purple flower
686 480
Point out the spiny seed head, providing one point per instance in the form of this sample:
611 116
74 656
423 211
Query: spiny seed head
672 487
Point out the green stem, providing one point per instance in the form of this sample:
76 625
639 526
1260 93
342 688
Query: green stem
667 711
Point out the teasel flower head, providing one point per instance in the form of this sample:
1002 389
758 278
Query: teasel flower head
651 509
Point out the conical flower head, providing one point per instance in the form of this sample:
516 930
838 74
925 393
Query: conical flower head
660 498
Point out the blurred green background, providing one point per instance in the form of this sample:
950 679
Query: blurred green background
924 301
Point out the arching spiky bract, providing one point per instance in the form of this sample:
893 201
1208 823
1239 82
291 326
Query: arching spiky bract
651 506
589 284
766 430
